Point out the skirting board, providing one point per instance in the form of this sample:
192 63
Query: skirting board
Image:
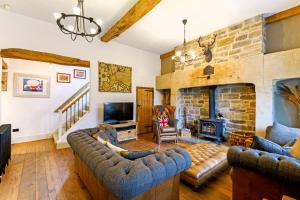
30 138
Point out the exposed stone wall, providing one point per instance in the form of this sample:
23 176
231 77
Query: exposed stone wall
236 41
235 102
195 103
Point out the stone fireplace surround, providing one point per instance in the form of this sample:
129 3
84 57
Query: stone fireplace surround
261 70
236 102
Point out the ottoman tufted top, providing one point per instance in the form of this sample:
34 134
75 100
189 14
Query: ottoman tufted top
205 156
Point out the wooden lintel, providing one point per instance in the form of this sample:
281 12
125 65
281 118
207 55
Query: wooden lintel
43 57
167 55
140 9
283 15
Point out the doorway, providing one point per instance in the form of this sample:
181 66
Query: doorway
144 104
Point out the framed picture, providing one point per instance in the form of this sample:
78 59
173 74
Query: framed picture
63 78
33 86
78 73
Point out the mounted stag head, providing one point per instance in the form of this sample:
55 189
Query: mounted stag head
207 47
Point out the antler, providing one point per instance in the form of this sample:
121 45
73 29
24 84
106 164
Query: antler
213 40
208 44
199 42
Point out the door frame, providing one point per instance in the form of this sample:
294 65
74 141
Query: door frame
136 98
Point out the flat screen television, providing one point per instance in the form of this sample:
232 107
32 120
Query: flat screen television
118 112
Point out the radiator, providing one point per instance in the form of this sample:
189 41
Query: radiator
5 147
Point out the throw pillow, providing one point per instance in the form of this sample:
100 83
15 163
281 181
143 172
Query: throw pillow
262 144
281 134
132 155
163 122
295 151
114 148
101 140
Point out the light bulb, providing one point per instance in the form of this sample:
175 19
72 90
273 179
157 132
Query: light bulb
6 6
182 59
178 53
93 31
76 10
70 28
99 22
173 57
193 54
57 15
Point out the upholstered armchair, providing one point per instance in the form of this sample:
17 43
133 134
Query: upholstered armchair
169 133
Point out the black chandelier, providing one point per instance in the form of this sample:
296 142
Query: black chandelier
81 23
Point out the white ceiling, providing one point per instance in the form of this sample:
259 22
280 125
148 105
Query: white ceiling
161 29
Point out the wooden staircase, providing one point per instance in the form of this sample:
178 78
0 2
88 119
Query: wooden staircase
70 112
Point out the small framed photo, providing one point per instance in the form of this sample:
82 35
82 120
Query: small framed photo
80 74
63 78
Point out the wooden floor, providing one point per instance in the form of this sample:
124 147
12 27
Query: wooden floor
39 171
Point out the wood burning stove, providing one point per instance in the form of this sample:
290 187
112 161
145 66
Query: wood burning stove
212 127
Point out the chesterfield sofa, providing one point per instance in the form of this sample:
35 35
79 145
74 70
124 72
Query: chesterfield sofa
107 175
258 174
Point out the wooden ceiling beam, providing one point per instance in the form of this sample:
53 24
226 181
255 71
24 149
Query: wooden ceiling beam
140 9
283 15
167 55
43 57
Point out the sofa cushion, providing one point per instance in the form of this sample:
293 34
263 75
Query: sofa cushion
132 155
168 129
107 132
281 134
295 151
115 148
262 144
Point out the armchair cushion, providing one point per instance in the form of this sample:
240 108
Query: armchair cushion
167 129
163 121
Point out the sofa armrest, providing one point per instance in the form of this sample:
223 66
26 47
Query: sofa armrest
274 165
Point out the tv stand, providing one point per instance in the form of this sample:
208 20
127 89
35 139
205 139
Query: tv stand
126 130
114 123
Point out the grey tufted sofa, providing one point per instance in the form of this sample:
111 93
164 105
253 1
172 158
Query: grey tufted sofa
258 174
126 179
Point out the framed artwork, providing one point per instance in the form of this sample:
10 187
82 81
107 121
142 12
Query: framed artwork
80 74
114 78
33 86
63 78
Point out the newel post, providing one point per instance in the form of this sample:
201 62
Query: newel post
60 126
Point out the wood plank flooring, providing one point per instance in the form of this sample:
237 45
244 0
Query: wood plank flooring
39 171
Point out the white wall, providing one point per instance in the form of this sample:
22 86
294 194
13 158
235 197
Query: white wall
34 116
22 32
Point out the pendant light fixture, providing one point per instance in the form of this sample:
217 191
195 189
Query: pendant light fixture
185 55
77 24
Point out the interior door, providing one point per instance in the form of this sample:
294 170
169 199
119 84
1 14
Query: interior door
144 102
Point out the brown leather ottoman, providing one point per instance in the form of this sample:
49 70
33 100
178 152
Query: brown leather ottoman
207 160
